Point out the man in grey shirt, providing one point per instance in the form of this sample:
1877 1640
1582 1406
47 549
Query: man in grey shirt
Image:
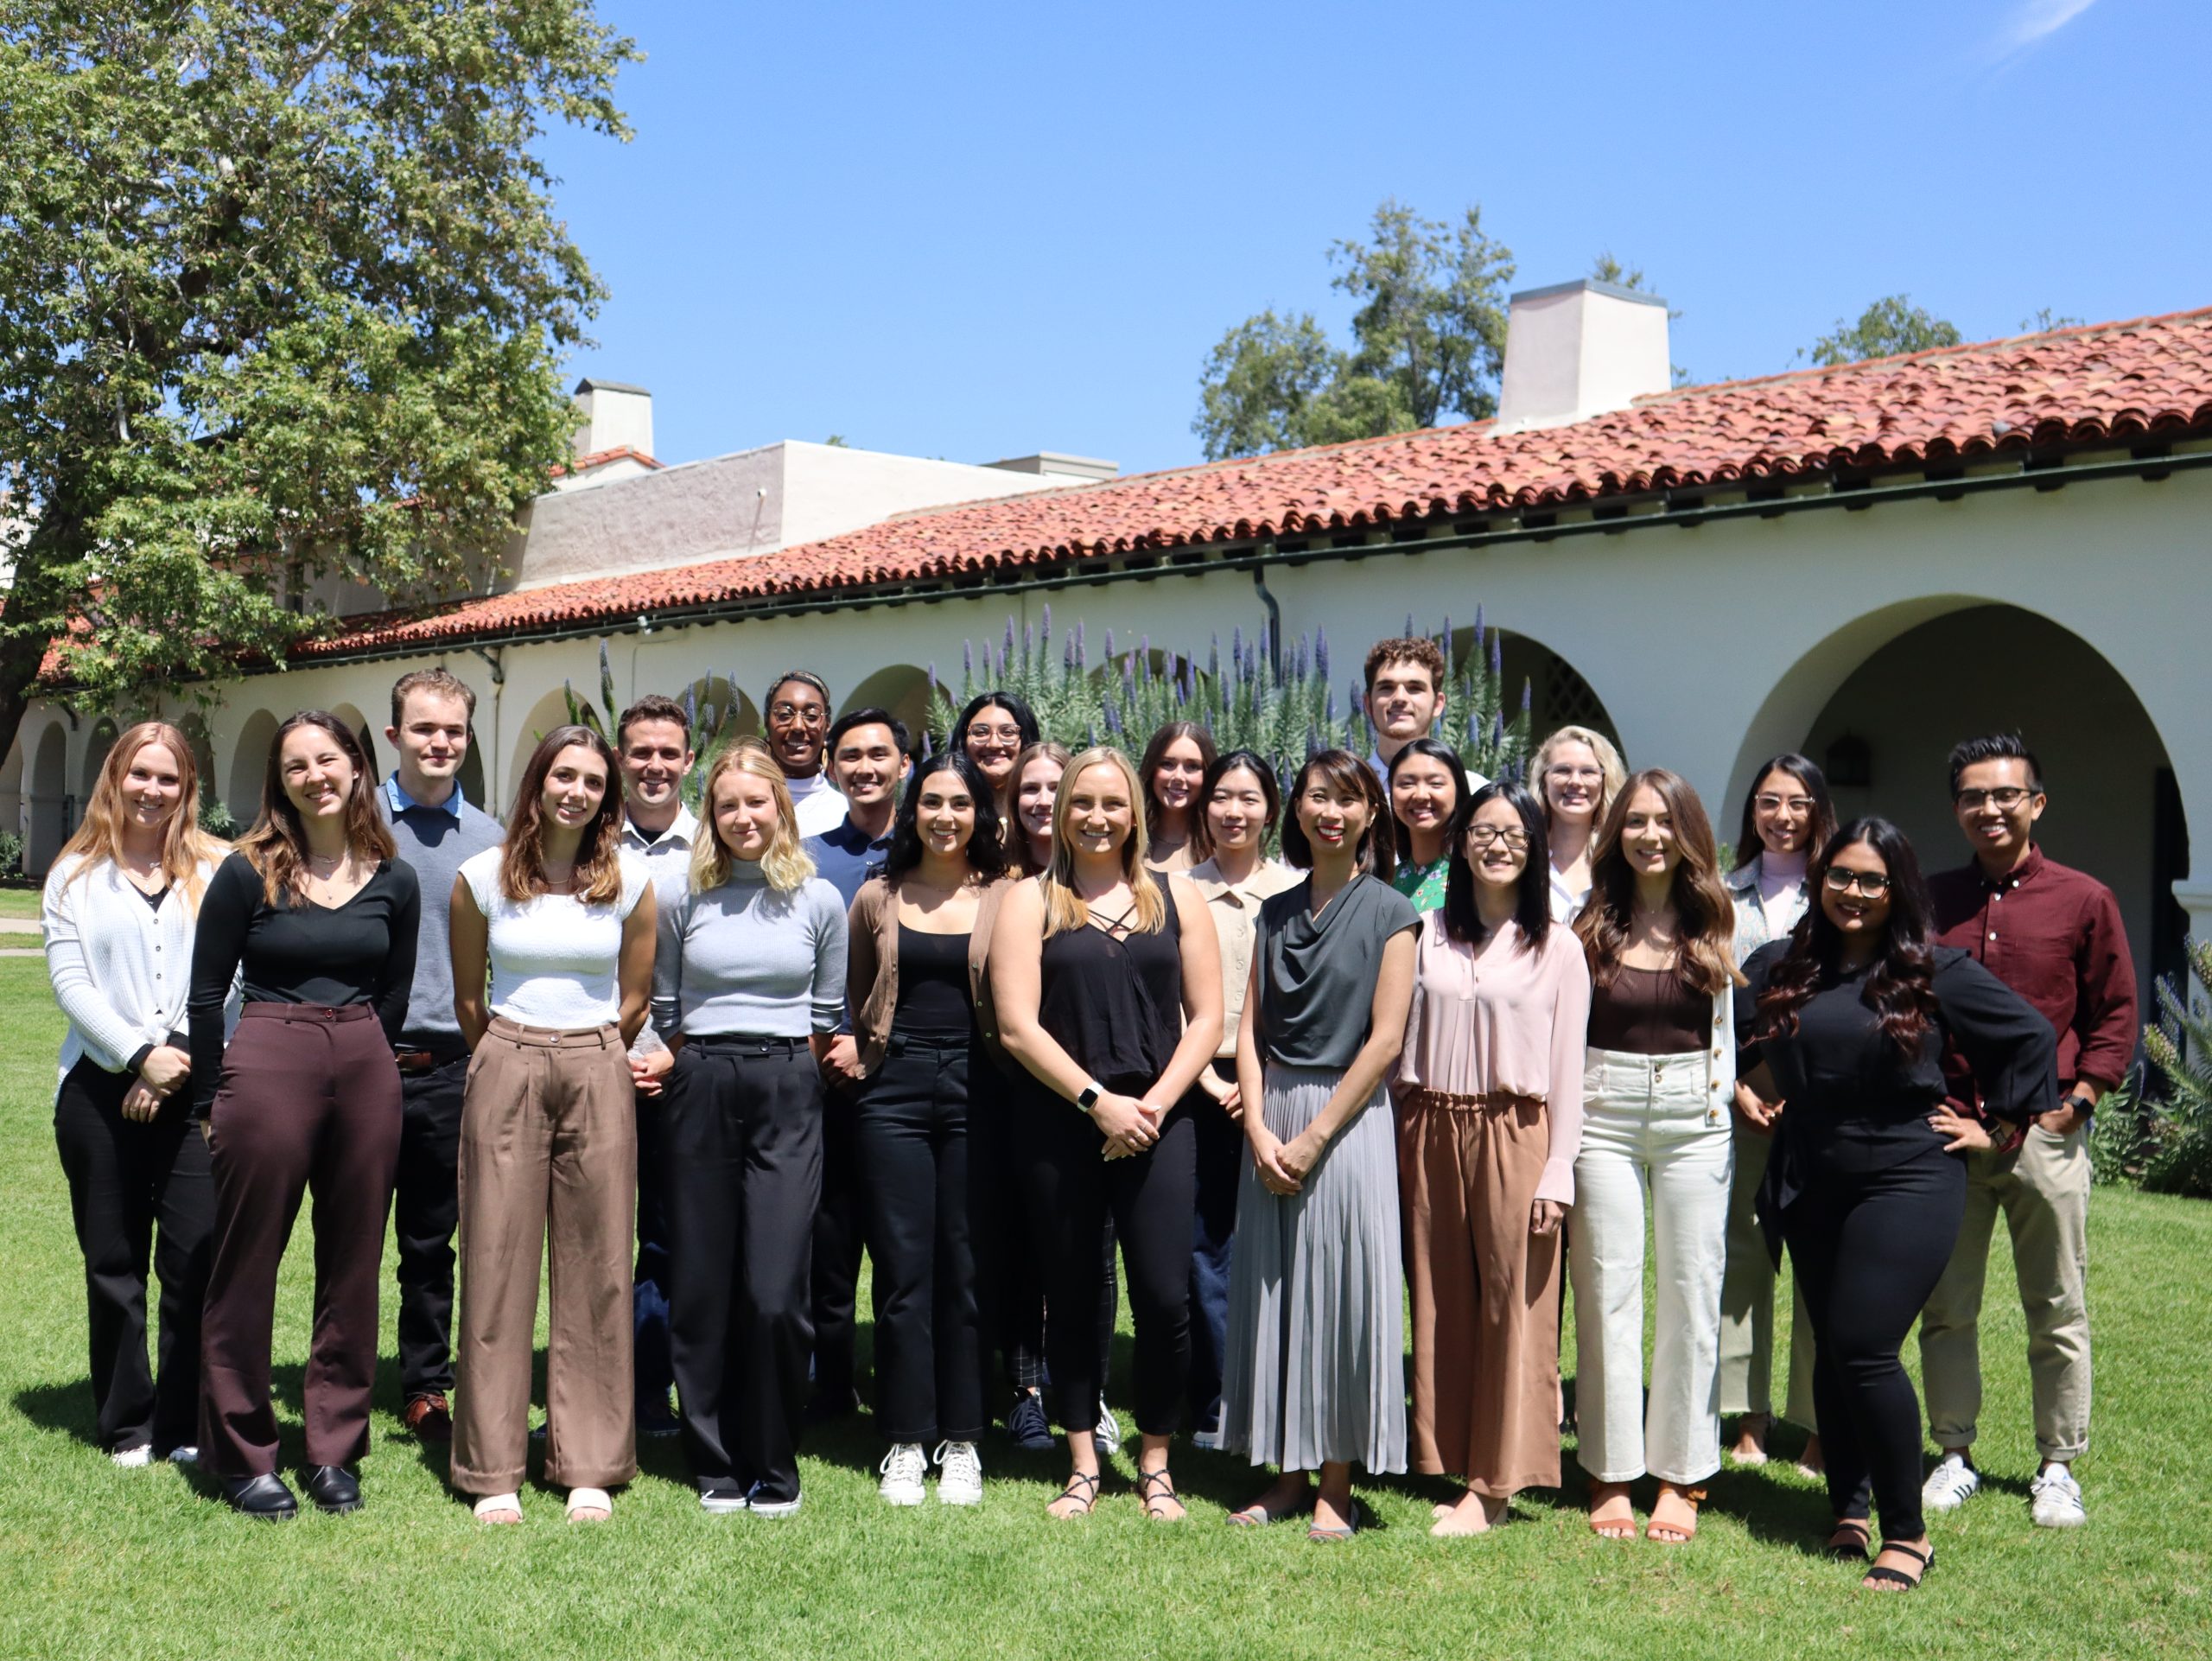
435 830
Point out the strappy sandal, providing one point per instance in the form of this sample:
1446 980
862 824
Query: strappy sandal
1881 1576
1086 1497
1850 1540
1611 1528
1155 1487
1357 1521
1675 1534
500 1510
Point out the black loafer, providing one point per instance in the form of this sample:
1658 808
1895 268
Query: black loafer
266 1497
332 1488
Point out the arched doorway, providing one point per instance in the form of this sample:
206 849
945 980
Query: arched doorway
51 804
96 753
900 688
549 711
13 817
1557 694
357 724
1984 668
248 766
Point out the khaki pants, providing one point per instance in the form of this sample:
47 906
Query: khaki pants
2044 1191
1747 1302
549 1152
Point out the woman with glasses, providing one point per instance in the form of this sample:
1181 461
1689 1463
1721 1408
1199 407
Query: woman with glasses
1578 776
1787 818
1428 808
1490 1095
1658 1077
1174 765
994 729
1848 1024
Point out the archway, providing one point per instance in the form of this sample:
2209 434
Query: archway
250 766
50 801
13 819
549 711
96 752
194 728
1893 718
1557 694
471 775
357 724
900 688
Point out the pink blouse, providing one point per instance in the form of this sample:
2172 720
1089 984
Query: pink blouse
1499 1017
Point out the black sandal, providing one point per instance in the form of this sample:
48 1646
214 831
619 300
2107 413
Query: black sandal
1146 1482
1087 1497
1880 1574
1854 1549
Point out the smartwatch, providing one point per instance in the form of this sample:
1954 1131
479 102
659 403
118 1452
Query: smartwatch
1087 1098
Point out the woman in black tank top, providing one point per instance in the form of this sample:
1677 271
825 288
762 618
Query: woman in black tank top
1108 986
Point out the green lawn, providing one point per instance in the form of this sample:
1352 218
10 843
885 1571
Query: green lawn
19 902
97 1562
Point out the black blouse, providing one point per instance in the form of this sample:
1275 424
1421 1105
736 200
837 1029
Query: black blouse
296 952
1115 1001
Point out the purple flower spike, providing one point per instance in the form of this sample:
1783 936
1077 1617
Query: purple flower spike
968 659
1321 653
1496 655
1109 646
1525 695
1081 660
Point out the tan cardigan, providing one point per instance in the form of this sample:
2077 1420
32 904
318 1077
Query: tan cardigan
871 966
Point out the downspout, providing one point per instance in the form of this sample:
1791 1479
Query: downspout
1274 618
493 660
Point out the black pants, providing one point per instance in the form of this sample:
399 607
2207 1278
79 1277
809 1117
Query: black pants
425 1211
1869 1248
742 1146
139 1193
649 1276
1072 1191
918 1185
1220 1153
840 1231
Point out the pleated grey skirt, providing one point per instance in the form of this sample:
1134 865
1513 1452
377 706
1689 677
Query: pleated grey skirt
1315 1368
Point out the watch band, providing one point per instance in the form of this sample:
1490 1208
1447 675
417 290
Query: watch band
1086 1099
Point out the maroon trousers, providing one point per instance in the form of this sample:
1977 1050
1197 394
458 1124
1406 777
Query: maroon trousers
308 1103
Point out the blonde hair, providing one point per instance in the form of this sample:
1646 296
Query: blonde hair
1609 763
1064 908
185 846
786 864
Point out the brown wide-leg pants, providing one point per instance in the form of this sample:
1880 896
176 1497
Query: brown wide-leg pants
549 1151
1484 1290
309 1103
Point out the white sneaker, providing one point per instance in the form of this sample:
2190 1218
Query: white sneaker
775 1511
2054 1499
903 1469
960 1474
185 1455
1107 1432
1950 1485
131 1458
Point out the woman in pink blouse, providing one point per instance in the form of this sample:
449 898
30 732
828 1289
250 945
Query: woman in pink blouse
1490 1097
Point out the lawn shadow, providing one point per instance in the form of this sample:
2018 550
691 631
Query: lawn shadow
62 1409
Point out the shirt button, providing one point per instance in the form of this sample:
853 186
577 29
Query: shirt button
1992 935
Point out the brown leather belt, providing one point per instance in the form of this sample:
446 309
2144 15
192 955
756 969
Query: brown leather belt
423 1060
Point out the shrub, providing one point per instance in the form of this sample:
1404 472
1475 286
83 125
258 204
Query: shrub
2179 1044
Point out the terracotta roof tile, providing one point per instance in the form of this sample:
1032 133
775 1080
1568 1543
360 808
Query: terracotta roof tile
2109 382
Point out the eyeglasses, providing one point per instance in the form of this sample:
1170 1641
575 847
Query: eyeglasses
979 734
2007 796
1872 884
1487 835
1775 804
807 715
1577 775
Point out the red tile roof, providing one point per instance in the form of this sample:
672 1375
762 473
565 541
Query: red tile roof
600 458
2105 383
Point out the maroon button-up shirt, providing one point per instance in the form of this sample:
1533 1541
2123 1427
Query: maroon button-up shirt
2052 934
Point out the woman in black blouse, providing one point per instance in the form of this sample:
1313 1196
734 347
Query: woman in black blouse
1848 1022
305 1098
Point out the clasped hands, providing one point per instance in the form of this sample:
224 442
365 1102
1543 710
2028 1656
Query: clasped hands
165 1072
1130 1125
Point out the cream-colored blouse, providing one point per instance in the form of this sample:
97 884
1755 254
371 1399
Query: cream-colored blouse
1235 907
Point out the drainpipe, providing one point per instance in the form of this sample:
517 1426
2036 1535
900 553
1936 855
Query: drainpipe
1274 616
494 659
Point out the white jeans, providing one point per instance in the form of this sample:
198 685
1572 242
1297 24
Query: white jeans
1649 1122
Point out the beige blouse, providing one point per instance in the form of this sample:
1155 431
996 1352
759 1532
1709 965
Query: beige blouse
1497 1017
1235 907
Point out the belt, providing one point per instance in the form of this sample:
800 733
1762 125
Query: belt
743 1044
310 1011
428 1061
1447 1101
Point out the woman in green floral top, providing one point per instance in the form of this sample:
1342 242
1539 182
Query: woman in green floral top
1428 800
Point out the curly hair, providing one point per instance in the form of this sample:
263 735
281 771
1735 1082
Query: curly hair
1900 987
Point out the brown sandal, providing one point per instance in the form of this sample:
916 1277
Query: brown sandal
1611 1528
1675 1534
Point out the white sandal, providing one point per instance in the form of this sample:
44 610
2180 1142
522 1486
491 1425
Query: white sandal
488 1509
581 1500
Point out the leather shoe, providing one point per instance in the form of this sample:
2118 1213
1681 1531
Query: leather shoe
266 1497
428 1418
332 1488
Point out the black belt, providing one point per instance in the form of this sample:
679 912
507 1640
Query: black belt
743 1044
427 1060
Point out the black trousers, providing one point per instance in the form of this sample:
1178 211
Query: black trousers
1220 1154
139 1193
425 1212
1869 1248
743 1142
918 1185
649 1276
1072 1191
839 1232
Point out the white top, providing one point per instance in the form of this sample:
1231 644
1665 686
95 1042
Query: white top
553 958
668 855
1567 902
121 969
818 805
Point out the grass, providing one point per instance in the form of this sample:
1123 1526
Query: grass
20 902
95 1561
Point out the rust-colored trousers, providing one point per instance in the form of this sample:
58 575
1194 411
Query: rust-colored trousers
549 1152
1484 1290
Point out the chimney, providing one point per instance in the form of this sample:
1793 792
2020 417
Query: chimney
1055 464
616 416
1580 349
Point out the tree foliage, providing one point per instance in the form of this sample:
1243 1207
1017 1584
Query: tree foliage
282 294
1890 326
1428 341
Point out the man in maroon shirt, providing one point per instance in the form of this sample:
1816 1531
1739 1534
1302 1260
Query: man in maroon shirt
2053 935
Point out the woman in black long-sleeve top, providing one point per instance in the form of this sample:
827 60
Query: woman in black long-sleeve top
1848 1024
304 1098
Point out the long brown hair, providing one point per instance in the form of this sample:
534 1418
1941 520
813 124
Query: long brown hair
276 846
1705 915
185 846
1155 753
1813 782
598 876
1017 835
1900 987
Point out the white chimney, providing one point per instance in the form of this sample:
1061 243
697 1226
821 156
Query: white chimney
616 416
1581 349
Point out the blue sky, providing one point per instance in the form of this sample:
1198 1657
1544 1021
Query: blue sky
977 230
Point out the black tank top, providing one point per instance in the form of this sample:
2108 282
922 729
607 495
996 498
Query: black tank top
932 985
1115 1001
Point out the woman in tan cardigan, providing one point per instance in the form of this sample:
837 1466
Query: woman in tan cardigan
916 976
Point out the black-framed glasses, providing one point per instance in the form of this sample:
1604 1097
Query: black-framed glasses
1485 835
2004 797
1872 884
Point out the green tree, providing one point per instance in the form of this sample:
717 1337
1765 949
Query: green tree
282 292
1428 338
1885 328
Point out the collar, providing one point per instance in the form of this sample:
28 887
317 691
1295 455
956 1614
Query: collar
848 838
1269 877
1744 879
400 801
682 831
2021 872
